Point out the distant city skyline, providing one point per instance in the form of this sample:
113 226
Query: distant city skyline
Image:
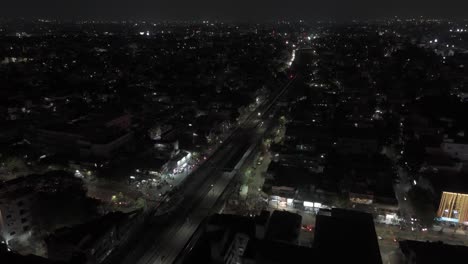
243 10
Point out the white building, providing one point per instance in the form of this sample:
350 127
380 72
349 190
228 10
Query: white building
15 212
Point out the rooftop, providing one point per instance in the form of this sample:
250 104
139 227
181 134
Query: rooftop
349 233
433 252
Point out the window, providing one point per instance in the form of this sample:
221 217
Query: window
8 216
23 220
22 211
20 203
25 228
12 233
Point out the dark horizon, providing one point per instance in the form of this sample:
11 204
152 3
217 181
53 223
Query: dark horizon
233 10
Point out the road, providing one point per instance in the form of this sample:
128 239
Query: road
163 243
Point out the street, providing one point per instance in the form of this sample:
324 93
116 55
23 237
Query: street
201 191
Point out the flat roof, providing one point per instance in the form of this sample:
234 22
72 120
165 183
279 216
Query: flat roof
348 236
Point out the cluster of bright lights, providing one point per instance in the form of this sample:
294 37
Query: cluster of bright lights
459 30
293 57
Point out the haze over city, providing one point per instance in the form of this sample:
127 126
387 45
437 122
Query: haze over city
240 10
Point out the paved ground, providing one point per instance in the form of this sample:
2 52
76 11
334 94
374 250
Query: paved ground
105 189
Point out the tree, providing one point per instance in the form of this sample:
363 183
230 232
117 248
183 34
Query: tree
340 202
422 203
16 166
414 153
140 203
67 207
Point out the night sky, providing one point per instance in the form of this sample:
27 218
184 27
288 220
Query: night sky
233 9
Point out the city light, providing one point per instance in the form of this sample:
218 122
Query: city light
169 119
293 57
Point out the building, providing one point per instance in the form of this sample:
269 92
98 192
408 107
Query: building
453 207
440 162
456 148
93 241
228 237
15 210
92 143
11 257
341 236
357 140
178 162
274 252
19 197
346 236
284 226
418 252
88 136
238 239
